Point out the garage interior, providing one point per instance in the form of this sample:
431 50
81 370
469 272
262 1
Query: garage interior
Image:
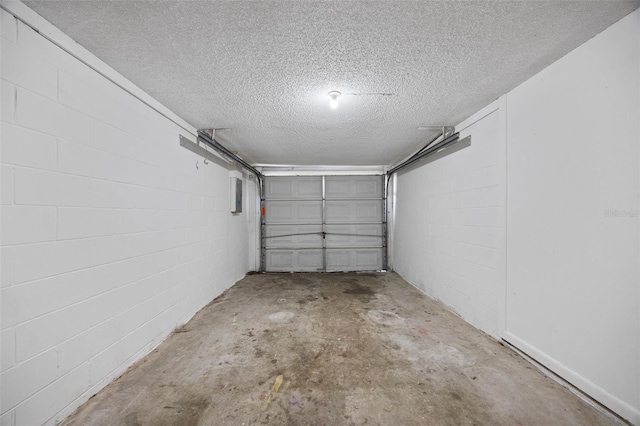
278 212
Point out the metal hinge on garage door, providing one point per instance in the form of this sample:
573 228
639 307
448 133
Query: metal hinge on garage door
324 223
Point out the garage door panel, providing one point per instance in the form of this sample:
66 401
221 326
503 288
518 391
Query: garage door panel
337 187
338 211
368 211
354 235
350 212
351 187
290 236
354 259
366 260
309 188
293 212
310 211
294 260
280 260
368 188
293 188
354 211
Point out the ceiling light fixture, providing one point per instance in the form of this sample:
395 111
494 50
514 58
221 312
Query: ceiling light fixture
333 103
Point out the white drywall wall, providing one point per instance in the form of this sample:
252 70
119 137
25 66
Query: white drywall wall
111 237
449 224
573 283
571 297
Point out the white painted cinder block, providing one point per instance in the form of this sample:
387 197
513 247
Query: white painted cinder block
50 189
29 148
27 301
572 175
6 179
27 224
45 332
461 230
43 406
52 258
29 72
573 226
7 101
44 115
24 379
120 195
33 44
105 250
8 26
8 418
78 159
116 141
86 345
7 348
77 222
111 236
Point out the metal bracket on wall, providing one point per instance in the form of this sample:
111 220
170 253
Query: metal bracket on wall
197 149
226 153
450 149
209 132
434 151
448 131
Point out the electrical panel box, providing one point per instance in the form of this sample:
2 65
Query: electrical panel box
236 195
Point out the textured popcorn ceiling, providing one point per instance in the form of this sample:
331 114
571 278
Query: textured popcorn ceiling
262 70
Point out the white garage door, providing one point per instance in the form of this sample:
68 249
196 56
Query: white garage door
324 223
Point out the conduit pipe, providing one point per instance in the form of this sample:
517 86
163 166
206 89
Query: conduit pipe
224 151
432 141
425 153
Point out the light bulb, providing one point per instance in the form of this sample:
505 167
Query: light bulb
333 103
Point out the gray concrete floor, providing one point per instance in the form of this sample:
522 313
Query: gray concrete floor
353 349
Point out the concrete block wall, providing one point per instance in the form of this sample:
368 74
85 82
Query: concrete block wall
531 234
111 236
573 276
449 223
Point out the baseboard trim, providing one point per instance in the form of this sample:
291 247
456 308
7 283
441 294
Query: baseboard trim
592 394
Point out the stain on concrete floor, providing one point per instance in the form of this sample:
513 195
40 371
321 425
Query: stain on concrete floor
354 349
